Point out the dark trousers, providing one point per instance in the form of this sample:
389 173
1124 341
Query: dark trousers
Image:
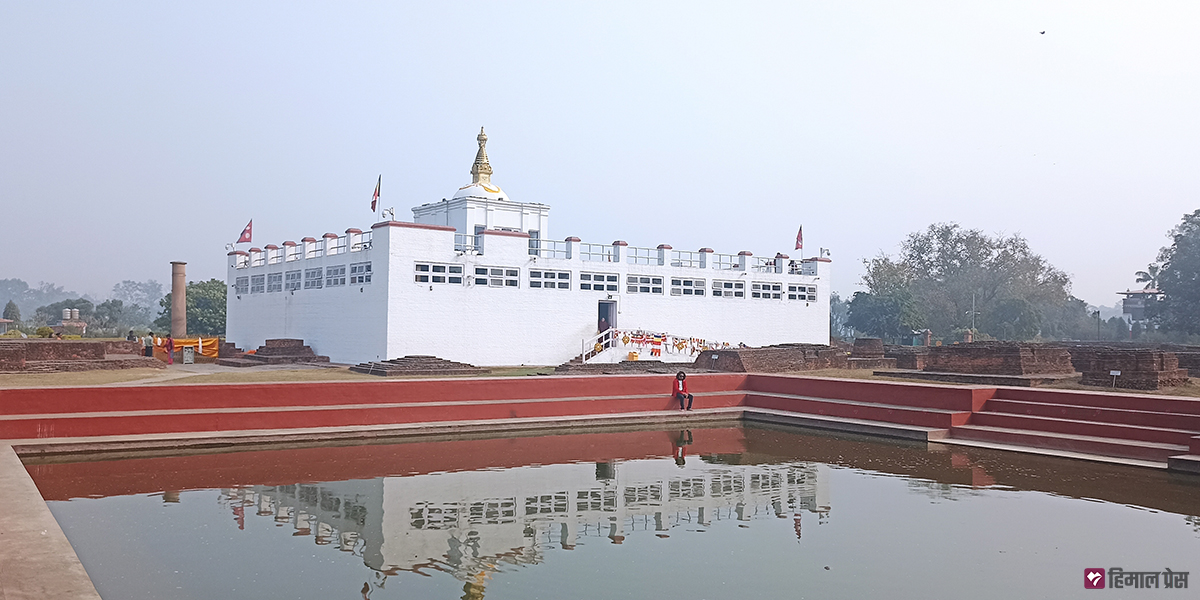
148 351
682 396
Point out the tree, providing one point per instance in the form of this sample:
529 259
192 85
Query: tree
11 311
1149 276
53 312
889 316
29 298
1179 277
1013 319
205 308
109 314
144 293
947 270
839 317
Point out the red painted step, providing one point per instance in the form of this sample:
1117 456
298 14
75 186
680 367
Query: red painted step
1077 427
870 411
1146 402
293 417
1102 446
1093 413
186 397
881 392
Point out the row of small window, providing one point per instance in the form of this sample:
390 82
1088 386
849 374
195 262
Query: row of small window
309 279
453 274
608 282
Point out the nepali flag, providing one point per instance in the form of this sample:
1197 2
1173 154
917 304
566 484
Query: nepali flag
800 238
375 196
246 232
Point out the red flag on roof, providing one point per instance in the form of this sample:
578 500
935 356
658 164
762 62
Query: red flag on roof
800 238
246 232
375 196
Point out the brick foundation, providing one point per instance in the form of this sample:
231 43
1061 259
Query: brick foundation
274 352
52 356
867 348
999 358
773 359
1141 369
911 358
122 347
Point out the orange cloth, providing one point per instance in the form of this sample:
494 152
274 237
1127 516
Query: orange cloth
205 346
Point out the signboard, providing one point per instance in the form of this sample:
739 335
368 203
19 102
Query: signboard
1115 373
189 355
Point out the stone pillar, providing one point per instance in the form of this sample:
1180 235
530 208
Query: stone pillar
664 254
744 261
572 247
706 258
780 260
618 250
178 299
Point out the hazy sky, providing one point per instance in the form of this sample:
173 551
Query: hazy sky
133 134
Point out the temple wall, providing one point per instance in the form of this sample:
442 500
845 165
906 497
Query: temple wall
396 315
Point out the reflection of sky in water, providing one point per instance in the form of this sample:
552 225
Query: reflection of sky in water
552 531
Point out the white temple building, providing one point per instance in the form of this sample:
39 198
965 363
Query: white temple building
476 278
470 523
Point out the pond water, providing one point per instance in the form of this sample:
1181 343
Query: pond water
718 512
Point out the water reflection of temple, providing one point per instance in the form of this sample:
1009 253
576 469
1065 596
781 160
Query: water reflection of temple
470 524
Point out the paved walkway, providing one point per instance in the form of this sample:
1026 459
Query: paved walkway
36 560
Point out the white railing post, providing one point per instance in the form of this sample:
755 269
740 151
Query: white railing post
572 247
705 260
743 258
618 253
663 251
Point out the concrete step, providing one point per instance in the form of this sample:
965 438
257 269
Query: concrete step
1094 413
920 395
136 422
1081 427
1104 446
16 401
1143 402
871 411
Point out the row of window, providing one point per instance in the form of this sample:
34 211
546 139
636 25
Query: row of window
547 279
309 279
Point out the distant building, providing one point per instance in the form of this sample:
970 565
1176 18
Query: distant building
1134 304
4 325
475 278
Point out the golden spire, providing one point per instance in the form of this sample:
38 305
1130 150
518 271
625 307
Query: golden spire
481 171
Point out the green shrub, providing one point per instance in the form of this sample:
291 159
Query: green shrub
44 332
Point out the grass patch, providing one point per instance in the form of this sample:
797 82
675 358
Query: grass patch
78 378
308 375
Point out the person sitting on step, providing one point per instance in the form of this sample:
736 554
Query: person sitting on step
680 391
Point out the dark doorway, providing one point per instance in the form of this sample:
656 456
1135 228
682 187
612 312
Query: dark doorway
607 316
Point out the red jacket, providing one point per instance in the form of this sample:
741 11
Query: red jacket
679 387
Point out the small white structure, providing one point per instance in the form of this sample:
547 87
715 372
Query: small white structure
475 279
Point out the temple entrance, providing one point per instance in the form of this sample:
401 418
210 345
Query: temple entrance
607 315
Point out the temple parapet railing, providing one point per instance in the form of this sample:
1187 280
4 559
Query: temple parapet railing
570 249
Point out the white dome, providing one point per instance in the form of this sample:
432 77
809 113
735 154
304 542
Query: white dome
485 191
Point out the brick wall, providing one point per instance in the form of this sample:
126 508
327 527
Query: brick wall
12 356
908 357
63 350
1140 368
999 358
773 359
122 347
